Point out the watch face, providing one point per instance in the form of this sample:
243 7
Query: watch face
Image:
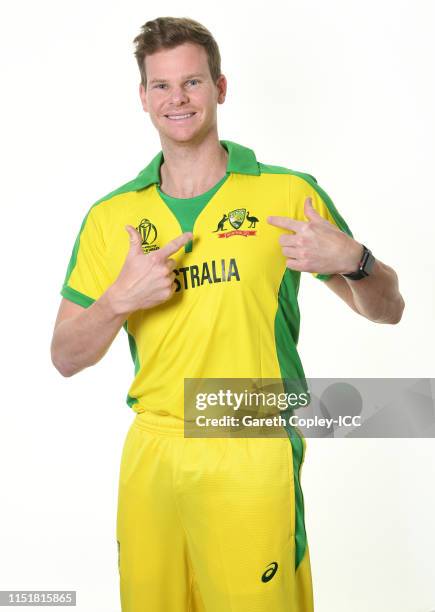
365 267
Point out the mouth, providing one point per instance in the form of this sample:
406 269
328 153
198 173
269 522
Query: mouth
180 117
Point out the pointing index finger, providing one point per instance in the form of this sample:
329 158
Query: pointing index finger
286 223
174 245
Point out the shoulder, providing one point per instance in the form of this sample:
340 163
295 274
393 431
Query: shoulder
295 178
298 181
115 199
271 169
302 184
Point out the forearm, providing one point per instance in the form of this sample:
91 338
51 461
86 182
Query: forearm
83 340
377 297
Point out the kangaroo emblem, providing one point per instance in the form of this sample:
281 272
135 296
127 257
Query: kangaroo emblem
221 224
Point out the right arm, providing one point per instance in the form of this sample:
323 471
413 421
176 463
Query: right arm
82 336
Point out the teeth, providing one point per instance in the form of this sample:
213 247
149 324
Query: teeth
176 117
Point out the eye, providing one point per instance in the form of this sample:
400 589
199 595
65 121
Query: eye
193 81
159 86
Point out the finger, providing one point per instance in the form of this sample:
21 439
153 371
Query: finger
286 223
288 240
173 288
174 245
171 264
289 251
168 273
135 240
294 264
310 212
165 272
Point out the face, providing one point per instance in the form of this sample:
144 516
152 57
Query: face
180 95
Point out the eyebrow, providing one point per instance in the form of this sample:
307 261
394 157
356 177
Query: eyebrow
184 78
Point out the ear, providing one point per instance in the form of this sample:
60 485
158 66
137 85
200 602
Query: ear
143 98
221 85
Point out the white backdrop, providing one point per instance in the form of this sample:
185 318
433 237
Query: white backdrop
343 90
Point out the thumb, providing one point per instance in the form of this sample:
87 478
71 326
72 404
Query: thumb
310 212
135 240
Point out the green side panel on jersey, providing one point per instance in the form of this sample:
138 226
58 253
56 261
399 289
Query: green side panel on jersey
300 532
186 210
287 316
286 336
134 355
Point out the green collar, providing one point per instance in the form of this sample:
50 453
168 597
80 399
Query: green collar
241 160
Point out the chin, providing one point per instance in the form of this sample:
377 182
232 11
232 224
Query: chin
183 137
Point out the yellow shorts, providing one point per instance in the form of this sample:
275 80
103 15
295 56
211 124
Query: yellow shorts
211 525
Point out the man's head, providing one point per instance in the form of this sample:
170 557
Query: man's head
179 63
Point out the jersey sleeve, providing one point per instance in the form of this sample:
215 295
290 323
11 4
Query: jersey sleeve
87 276
305 185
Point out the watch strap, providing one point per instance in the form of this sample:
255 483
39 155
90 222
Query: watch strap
364 267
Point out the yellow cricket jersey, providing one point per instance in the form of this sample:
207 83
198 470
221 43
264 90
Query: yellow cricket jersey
235 312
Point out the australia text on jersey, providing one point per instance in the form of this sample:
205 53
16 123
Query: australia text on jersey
207 272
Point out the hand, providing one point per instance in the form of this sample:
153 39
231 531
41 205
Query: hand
317 245
146 280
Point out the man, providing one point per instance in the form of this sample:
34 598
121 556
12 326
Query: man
199 259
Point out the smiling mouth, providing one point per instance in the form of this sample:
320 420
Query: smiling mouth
180 117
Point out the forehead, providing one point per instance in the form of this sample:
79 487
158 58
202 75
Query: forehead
187 58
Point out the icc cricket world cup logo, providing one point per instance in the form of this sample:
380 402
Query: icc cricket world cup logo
148 232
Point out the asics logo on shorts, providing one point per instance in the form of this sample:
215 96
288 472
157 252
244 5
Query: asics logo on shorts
270 572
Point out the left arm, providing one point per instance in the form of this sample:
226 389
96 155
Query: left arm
376 297
319 246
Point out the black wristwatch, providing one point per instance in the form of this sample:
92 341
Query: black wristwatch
364 267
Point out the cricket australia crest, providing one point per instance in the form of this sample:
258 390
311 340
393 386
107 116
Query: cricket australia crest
236 217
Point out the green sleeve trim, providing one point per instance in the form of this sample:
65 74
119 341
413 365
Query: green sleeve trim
75 296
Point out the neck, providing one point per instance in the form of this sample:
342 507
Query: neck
190 169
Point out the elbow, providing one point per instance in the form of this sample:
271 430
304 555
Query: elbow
390 317
397 305
396 314
399 311
65 373
63 368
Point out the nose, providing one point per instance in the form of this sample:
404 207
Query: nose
179 96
